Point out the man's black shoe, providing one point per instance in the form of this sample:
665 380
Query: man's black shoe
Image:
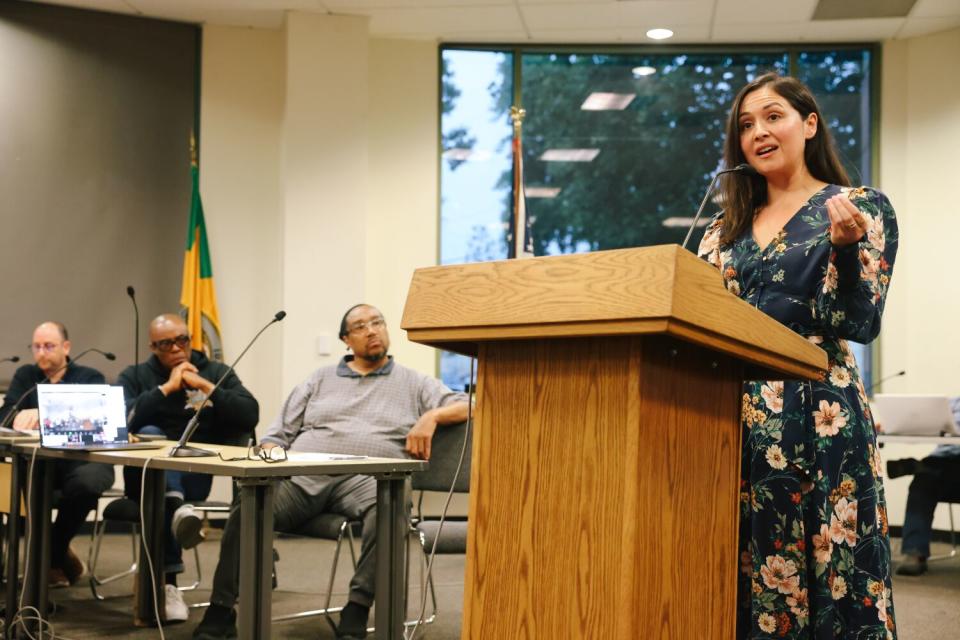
219 623
353 622
902 467
912 566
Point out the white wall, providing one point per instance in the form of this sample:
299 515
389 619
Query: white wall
403 217
319 178
920 139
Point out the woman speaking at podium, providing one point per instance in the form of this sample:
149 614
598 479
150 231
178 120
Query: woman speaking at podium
797 242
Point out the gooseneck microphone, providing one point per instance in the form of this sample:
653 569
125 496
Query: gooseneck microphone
13 412
13 359
880 382
742 169
181 450
136 327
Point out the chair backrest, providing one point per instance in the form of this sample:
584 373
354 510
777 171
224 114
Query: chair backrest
444 457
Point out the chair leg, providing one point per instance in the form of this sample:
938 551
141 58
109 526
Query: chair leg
953 539
426 584
345 531
95 581
199 578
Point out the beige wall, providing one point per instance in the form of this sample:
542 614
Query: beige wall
920 139
319 178
403 216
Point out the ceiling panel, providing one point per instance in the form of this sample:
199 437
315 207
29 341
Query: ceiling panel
693 21
863 30
924 26
446 22
578 36
763 11
935 9
747 33
368 5
614 14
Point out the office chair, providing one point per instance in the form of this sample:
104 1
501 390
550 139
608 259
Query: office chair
452 539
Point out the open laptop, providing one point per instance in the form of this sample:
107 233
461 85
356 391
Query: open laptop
913 415
84 417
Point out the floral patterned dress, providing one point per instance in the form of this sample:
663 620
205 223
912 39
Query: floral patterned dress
814 545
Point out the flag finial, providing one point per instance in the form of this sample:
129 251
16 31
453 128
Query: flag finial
517 114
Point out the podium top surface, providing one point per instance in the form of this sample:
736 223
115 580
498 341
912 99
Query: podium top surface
654 290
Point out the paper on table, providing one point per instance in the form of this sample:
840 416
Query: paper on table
310 456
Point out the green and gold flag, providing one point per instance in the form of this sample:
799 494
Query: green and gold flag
197 296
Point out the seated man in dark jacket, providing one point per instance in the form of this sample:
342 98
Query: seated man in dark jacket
162 395
79 483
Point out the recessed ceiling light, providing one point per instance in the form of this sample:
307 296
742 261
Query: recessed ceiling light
599 101
684 222
659 34
467 155
643 71
569 155
541 192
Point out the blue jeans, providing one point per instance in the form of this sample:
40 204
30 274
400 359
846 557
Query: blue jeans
941 484
181 487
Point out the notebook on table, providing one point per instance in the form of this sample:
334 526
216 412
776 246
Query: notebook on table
84 417
913 415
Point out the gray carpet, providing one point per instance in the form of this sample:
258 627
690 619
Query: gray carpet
927 607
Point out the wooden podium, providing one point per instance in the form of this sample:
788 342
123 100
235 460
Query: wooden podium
607 446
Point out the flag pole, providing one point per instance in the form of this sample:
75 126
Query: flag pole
521 241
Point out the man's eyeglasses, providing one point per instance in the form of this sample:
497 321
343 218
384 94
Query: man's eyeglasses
167 345
360 327
257 452
46 346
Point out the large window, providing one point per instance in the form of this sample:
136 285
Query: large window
618 146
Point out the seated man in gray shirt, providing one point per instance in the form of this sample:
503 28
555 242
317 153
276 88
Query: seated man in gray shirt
365 405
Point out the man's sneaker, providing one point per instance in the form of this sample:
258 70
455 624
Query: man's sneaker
57 579
73 566
219 623
187 527
353 622
175 608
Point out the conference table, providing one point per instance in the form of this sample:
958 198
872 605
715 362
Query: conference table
256 480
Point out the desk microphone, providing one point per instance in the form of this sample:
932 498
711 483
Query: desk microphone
181 450
136 350
11 359
879 382
13 412
136 327
742 169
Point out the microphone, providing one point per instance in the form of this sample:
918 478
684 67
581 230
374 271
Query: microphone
13 412
136 348
136 327
181 450
742 169
879 382
11 359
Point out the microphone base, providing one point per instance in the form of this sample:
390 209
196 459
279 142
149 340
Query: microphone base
183 451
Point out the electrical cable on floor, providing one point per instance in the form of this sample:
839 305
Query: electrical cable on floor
19 618
446 506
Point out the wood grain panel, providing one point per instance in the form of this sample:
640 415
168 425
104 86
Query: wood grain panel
626 291
590 459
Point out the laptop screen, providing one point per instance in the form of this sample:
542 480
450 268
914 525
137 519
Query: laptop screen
80 414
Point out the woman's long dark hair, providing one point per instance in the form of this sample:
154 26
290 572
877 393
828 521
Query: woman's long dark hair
742 196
